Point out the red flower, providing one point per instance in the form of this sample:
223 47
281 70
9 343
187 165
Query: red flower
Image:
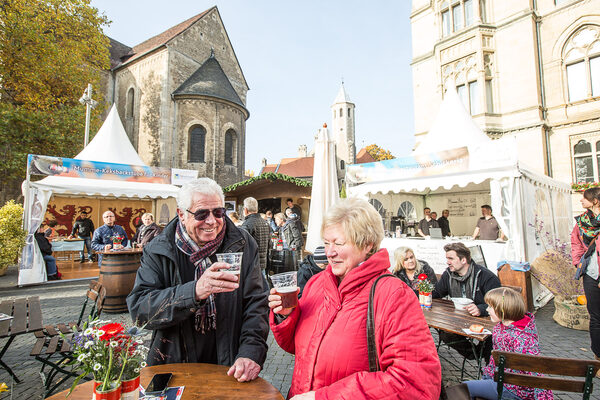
422 277
111 330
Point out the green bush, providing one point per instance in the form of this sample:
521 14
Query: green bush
12 235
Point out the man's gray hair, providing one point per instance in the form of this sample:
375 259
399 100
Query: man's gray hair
204 186
251 205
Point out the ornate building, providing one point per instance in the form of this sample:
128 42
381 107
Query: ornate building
531 69
182 98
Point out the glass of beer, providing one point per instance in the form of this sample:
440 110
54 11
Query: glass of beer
233 259
286 286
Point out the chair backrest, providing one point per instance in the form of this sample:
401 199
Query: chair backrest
517 289
96 293
568 367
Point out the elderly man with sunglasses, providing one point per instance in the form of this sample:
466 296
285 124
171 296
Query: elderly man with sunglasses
200 313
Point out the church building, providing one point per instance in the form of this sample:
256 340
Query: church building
342 131
182 98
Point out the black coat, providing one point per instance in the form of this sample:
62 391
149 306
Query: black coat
293 235
167 305
150 233
44 244
259 229
306 270
485 280
83 227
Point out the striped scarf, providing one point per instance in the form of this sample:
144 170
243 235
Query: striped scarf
206 316
589 226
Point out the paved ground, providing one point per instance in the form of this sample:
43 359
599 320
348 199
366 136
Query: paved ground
62 302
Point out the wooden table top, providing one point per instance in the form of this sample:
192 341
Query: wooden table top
444 316
201 381
26 313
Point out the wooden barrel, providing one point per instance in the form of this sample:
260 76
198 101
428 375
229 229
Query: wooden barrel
117 275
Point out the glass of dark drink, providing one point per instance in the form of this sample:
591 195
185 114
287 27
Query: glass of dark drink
286 286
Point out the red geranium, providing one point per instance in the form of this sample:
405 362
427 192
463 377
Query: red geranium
422 277
111 330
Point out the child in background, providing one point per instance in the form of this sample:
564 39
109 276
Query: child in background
516 332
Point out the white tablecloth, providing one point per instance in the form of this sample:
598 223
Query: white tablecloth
67 245
432 251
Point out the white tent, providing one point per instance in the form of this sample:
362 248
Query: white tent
325 191
110 145
441 167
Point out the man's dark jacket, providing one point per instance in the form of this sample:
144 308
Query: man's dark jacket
83 227
44 244
306 270
485 280
259 229
160 299
444 224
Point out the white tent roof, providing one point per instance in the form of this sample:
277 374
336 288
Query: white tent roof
453 127
110 145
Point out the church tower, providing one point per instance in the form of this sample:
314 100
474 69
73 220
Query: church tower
342 111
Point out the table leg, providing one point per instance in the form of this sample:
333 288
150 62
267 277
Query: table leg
3 364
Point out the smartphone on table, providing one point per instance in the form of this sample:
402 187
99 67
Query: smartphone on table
158 384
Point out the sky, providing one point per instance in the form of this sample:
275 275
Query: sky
294 56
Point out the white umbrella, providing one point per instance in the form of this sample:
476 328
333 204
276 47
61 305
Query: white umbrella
325 190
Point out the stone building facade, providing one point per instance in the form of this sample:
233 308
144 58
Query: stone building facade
182 98
525 68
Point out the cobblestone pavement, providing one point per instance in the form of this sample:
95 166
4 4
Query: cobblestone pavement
62 302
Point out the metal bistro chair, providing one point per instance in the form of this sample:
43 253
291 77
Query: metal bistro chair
565 367
55 352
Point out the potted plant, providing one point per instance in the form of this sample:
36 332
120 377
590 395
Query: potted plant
554 269
111 355
425 289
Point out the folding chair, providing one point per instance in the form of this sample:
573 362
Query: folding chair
54 351
545 365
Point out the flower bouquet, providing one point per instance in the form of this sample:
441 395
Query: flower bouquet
117 239
425 289
113 356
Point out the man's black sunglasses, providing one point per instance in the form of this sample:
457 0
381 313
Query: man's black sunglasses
201 215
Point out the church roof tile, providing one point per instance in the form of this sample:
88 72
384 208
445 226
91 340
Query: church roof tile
210 80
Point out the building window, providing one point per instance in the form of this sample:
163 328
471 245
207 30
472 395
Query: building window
196 144
483 11
341 112
379 208
581 58
130 103
342 164
348 114
456 15
489 96
230 147
583 160
407 211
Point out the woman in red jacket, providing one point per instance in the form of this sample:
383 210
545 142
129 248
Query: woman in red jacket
327 331
584 250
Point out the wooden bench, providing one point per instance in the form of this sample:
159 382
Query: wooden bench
564 367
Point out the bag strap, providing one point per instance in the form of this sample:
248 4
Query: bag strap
373 359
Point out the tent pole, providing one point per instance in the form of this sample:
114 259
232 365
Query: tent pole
523 219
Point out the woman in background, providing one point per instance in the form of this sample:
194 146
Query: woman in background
408 268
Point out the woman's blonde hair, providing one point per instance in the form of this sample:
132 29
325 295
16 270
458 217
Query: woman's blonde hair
506 303
360 222
148 215
400 257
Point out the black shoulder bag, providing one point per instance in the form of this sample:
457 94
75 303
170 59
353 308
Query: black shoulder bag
373 359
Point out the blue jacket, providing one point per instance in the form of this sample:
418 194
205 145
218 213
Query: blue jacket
102 237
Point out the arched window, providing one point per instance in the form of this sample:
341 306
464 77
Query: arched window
348 113
379 207
581 57
342 164
196 143
341 112
130 103
407 210
583 162
230 147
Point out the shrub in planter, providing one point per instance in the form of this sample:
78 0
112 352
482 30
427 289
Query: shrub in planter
12 235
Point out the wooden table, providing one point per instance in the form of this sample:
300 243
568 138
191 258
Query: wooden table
27 317
443 316
117 275
201 381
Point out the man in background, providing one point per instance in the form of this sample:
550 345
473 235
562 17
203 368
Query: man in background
107 234
487 227
84 228
294 207
426 223
444 223
258 228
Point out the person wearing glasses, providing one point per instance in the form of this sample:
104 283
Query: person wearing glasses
104 236
198 312
326 331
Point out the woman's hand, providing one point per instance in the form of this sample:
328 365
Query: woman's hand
304 396
275 303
